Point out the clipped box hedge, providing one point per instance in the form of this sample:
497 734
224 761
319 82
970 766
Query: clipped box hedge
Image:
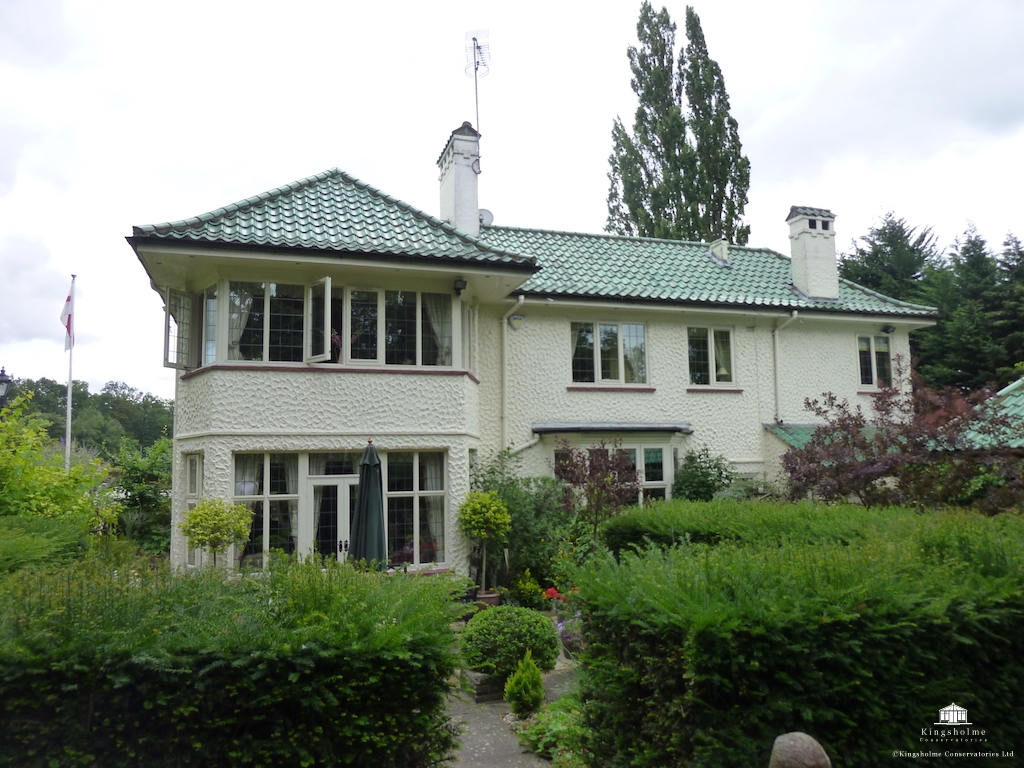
297 666
702 654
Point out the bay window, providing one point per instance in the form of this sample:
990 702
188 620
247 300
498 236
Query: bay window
873 356
317 322
710 356
408 327
415 507
614 351
268 484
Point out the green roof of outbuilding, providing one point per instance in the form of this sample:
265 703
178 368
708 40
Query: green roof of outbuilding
795 435
332 211
1009 402
649 269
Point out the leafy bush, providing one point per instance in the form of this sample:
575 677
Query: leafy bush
28 541
142 478
111 663
600 480
556 732
929 448
700 476
33 481
216 525
702 654
537 510
494 641
526 592
524 690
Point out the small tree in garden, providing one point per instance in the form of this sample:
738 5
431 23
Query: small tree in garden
921 446
524 690
483 517
215 525
600 480
701 476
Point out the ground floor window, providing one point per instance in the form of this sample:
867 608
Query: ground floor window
303 503
268 483
415 488
649 462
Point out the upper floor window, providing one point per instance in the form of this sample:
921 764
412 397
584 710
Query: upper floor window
615 352
400 327
710 356
316 322
875 362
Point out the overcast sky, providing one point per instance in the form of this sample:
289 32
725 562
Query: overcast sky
114 113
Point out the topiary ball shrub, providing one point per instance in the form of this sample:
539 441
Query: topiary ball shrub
524 691
495 641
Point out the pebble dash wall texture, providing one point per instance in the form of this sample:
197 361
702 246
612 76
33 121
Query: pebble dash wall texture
221 412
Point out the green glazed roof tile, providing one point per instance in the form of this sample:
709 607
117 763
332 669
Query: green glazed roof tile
803 210
335 212
648 269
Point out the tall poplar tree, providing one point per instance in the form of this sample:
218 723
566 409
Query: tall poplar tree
681 173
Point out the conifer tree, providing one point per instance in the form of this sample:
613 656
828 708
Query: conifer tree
681 173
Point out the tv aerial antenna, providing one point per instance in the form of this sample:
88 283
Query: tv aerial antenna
478 63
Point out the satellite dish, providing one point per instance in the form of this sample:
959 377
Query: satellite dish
486 217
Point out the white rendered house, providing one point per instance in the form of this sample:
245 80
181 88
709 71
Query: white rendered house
310 318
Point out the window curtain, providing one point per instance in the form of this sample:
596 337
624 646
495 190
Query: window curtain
318 500
439 312
431 508
241 305
723 356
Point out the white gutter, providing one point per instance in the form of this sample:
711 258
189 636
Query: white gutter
504 370
775 341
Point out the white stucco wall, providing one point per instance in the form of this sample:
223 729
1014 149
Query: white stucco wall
221 412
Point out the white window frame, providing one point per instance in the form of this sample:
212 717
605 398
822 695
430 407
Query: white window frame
307 326
416 494
210 321
193 493
381 358
599 379
178 329
872 339
266 497
667 467
713 380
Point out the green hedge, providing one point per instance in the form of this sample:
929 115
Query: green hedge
113 664
668 523
26 541
703 654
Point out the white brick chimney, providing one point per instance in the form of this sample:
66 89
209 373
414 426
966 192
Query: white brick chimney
812 238
460 166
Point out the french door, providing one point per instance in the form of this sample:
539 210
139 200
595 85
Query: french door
334 501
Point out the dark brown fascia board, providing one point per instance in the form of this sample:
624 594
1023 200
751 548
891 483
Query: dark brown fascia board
141 240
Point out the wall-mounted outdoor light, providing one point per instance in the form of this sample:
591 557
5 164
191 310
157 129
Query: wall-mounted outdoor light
888 329
460 286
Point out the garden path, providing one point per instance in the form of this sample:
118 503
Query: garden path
487 740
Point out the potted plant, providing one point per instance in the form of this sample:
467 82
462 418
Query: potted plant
483 516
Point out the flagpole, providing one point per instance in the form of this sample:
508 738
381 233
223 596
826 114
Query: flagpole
71 353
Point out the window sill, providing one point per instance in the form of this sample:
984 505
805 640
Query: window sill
608 388
730 390
329 368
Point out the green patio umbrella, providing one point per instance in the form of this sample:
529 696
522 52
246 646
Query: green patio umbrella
368 539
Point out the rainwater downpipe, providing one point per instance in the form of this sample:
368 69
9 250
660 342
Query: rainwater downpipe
775 341
504 370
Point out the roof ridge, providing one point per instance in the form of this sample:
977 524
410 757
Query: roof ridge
603 235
